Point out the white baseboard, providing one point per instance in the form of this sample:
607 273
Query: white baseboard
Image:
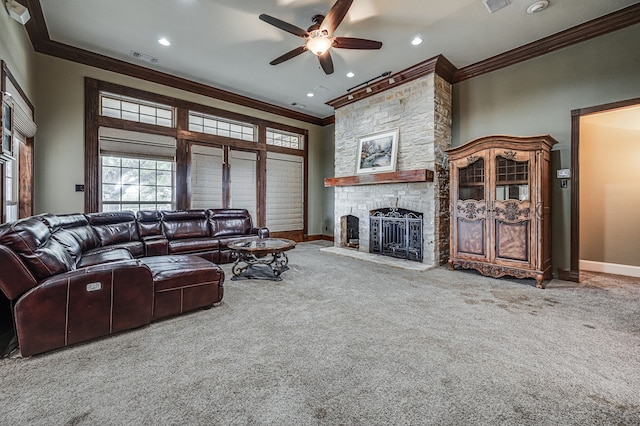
610 268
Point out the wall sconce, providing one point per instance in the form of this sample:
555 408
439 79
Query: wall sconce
350 97
392 80
369 89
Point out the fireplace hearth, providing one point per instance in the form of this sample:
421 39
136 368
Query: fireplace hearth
396 233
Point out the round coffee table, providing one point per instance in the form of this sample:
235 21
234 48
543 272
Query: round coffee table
260 258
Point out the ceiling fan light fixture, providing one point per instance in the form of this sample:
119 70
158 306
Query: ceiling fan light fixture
319 42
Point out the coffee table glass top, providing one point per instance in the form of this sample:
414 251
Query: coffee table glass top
263 245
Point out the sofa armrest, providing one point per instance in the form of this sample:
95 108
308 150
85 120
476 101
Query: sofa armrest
84 304
156 245
260 232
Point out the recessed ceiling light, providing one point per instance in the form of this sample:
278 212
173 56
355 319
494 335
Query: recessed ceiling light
163 41
310 94
538 6
416 41
350 74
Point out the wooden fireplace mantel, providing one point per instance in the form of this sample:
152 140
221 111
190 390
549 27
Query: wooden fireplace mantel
403 176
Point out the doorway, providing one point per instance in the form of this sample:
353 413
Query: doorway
605 192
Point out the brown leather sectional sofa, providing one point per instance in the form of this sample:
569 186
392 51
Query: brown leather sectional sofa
73 278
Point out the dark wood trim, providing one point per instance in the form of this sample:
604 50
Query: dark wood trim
297 236
319 238
438 64
91 157
7 74
574 272
594 28
41 42
402 176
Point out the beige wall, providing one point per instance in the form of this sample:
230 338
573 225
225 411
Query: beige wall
59 156
537 96
609 194
16 51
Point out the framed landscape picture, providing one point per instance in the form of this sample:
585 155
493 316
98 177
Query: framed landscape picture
377 152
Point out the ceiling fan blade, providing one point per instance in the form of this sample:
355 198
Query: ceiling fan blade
355 43
284 25
291 54
326 62
335 15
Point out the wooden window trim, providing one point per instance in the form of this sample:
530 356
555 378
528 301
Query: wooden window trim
93 121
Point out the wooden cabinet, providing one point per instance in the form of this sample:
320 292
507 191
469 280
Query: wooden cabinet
500 206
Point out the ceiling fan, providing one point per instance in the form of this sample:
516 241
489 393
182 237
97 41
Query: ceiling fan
319 36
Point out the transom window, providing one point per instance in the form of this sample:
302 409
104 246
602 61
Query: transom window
219 126
286 139
137 184
137 110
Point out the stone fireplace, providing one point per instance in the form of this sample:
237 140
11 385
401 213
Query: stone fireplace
421 111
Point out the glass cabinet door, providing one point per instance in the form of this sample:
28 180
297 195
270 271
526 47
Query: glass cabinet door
471 181
512 179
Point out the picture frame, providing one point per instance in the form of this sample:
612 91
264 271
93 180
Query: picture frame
377 152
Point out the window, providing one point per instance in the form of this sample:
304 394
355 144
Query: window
213 125
136 184
137 171
138 110
11 188
285 139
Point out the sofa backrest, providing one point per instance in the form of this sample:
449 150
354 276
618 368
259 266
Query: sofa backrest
73 232
114 227
185 224
149 223
225 222
30 239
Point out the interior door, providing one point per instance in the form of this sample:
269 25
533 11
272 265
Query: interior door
512 210
470 209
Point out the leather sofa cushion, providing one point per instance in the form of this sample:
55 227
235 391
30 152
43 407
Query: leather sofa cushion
149 223
185 224
229 222
31 239
191 245
114 227
136 248
100 257
73 232
171 272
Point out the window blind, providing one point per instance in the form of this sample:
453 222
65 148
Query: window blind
136 144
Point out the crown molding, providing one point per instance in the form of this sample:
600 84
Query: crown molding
596 27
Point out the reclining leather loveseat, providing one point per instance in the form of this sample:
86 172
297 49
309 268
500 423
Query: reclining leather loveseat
73 278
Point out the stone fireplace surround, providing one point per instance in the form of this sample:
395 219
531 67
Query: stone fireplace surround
421 110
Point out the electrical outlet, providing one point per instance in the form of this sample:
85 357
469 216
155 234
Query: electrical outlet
563 183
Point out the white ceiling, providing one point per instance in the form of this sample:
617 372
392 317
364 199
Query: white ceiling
223 44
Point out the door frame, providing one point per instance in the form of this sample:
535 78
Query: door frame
576 114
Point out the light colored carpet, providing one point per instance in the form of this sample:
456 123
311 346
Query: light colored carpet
344 341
